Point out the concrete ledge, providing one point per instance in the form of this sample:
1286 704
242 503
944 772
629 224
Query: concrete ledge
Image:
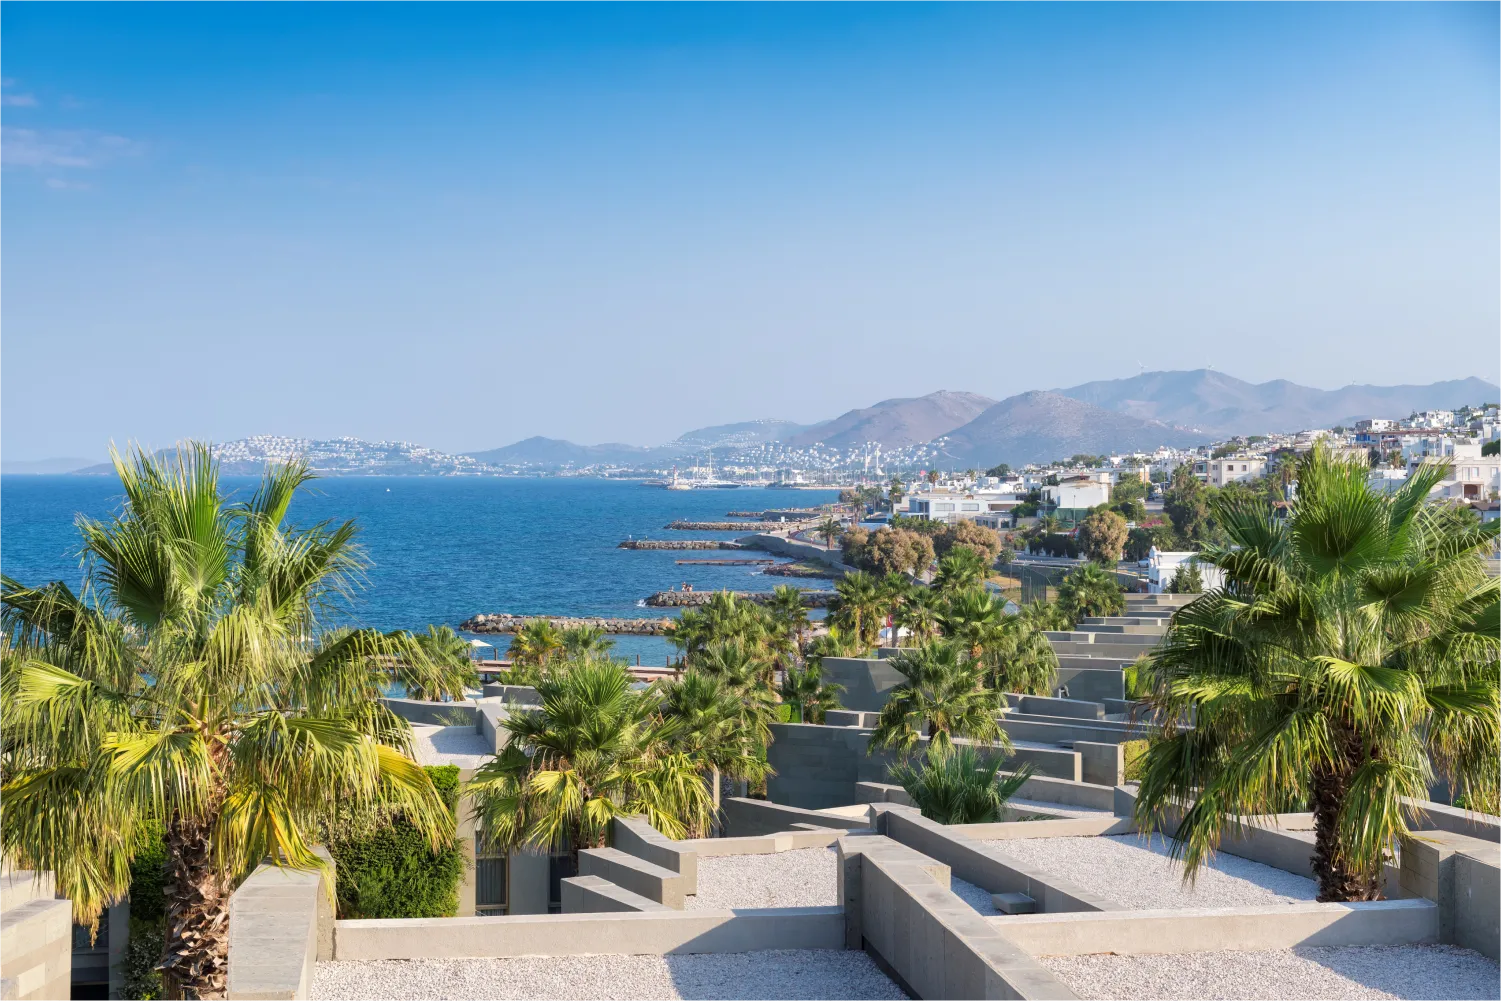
593 895
747 817
1379 922
634 836
280 924
1065 793
1439 817
656 933
766 844
433 713
637 875
985 867
1073 827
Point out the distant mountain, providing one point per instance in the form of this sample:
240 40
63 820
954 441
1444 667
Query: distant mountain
44 467
899 422
539 451
1223 405
1043 427
743 433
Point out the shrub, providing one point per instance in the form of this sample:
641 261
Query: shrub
143 981
1136 757
1102 536
387 869
986 542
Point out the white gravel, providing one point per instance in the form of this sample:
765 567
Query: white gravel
449 745
804 877
797 973
1136 873
974 896
1415 971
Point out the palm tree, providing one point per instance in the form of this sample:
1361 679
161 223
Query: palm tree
962 569
1049 524
807 693
1090 590
712 732
895 491
943 697
959 785
193 685
857 606
973 620
932 476
789 616
895 588
442 646
726 617
835 642
596 750
829 530
1021 659
534 645
1350 656
584 643
918 614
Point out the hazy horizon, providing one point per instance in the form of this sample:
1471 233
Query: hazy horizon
463 226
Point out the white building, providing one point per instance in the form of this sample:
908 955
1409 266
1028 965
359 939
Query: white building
947 504
1077 493
1230 469
1375 425
1431 419
1163 567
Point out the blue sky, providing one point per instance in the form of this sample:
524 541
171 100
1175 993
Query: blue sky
463 225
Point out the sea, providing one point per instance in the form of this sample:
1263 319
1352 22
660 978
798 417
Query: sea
442 549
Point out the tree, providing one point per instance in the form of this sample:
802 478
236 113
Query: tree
1021 659
533 648
712 731
1492 447
584 643
895 589
809 695
195 686
442 646
828 531
895 491
932 476
789 617
961 570
1128 488
857 606
725 618
1090 591
985 542
594 751
972 620
943 697
958 785
1350 657
1004 469
892 550
1139 541
1188 580
919 613
1102 536
1186 503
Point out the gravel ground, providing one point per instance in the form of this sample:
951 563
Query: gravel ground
1137 873
449 745
801 973
974 896
1415 971
805 877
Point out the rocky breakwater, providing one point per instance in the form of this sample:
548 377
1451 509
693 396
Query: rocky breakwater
800 570
790 513
503 622
736 526
678 544
692 599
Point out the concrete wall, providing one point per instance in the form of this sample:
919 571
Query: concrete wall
635 874
1477 891
634 836
36 937
867 681
984 866
520 694
749 817
1460 875
1091 678
432 713
642 934
280 923
1101 763
805 551
593 895
899 908
1044 706
1281 926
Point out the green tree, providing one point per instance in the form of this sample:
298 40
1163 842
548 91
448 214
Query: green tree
711 716
1186 504
808 694
943 697
858 606
829 530
961 570
1351 656
1128 488
195 686
984 542
1188 580
1090 590
959 785
1021 659
789 619
594 751
919 613
442 646
893 550
1102 537
725 618
972 620
533 648
895 491
1004 469
584 643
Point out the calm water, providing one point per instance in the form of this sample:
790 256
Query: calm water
444 549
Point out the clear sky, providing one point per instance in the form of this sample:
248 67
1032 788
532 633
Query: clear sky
466 224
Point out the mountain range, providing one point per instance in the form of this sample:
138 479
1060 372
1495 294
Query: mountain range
1178 409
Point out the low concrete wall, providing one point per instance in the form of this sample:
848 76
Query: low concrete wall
519 694
1477 891
634 836
657 933
986 867
804 551
1283 926
36 938
851 717
1440 817
1101 764
1046 789
750 817
1073 827
765 844
1460 875
433 713
593 895
635 874
867 681
1041 705
281 922
898 907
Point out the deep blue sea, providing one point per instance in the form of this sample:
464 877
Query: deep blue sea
445 548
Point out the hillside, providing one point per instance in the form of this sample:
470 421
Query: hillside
540 451
740 434
1223 405
898 422
1041 427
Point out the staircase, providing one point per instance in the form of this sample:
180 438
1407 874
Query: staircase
36 938
1091 656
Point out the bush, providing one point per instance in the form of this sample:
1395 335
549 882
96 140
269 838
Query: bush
1136 758
143 982
148 875
387 869
984 541
888 550
1102 536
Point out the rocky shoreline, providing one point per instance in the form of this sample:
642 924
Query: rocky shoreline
502 622
790 513
678 544
800 570
693 599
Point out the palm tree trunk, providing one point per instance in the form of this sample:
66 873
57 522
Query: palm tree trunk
1339 881
195 956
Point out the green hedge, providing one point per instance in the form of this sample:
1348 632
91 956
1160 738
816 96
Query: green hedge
389 870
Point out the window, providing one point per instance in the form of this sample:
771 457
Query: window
491 878
559 868
970 507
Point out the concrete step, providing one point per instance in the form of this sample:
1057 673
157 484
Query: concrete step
1090 636
1013 903
1122 629
22 886
1159 622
